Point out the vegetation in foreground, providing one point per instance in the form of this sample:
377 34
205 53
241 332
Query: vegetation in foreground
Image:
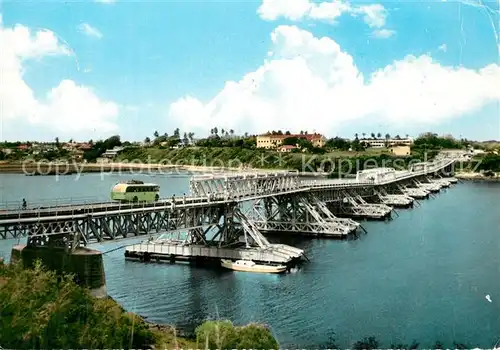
40 310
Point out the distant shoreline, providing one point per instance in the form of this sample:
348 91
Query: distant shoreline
51 169
472 176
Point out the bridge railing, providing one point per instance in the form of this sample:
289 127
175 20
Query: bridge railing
432 167
48 203
106 207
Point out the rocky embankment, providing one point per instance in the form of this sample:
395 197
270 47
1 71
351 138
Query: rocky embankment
474 176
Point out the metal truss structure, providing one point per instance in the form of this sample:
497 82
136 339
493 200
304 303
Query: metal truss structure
354 205
243 186
393 200
222 222
299 213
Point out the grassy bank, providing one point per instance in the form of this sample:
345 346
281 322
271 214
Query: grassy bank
233 157
39 310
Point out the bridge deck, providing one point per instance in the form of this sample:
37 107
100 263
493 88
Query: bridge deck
219 189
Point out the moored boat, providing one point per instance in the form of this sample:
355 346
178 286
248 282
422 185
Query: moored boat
250 266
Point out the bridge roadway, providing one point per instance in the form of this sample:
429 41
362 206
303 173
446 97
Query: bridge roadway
209 190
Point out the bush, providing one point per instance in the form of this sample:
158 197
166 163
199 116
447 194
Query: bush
223 335
41 310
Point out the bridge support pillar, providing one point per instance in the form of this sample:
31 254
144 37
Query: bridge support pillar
86 264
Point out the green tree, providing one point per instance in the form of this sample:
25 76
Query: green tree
42 310
216 335
156 134
224 335
255 336
338 144
369 343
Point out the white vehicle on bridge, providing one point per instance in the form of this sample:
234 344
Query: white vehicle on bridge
135 191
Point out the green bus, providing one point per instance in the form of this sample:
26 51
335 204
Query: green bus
135 191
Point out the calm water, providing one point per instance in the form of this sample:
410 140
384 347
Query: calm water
422 276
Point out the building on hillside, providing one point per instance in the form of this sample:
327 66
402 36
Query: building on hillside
111 153
84 146
380 143
286 148
77 154
401 150
272 141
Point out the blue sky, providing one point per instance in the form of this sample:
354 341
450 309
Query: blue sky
142 57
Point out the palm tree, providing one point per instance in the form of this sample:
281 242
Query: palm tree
156 134
222 131
373 135
379 135
231 132
387 137
355 135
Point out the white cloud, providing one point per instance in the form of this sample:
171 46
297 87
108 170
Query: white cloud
291 9
374 15
310 83
67 108
106 1
88 30
383 33
328 10
71 108
443 48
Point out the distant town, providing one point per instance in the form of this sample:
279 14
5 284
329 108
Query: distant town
104 151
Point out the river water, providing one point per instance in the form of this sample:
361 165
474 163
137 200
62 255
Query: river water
423 276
